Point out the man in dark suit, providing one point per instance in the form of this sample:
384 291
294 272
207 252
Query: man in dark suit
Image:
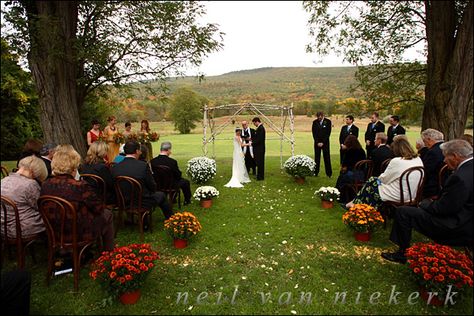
346 130
321 131
139 170
448 220
258 144
47 153
163 159
394 129
374 127
433 161
381 153
247 134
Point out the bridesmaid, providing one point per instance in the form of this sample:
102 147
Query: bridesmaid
128 130
110 131
94 134
145 130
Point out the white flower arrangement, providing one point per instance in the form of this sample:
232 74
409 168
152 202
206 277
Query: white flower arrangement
300 166
201 169
205 193
328 194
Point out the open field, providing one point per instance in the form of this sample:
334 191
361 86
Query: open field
269 237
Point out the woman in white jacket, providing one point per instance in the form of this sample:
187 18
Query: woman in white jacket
386 187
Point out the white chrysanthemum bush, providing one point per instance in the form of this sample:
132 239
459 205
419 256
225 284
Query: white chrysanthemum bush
201 169
205 192
300 166
327 194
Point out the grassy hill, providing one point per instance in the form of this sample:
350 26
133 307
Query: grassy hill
281 85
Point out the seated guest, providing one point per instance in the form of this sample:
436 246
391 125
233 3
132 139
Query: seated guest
421 148
386 187
23 187
380 153
32 147
353 153
433 161
95 219
447 220
121 156
47 153
95 164
140 171
163 159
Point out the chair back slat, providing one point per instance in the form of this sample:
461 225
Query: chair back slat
98 183
5 172
366 166
129 193
405 181
384 164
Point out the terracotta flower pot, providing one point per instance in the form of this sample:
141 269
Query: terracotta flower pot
299 180
327 204
435 300
365 236
130 297
206 203
180 243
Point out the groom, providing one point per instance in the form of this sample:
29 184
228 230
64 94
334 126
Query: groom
258 143
247 135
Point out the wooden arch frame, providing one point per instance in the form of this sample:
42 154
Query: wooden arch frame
286 113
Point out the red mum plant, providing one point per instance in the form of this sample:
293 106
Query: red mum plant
436 267
125 268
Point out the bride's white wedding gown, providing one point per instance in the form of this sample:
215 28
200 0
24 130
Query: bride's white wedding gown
239 172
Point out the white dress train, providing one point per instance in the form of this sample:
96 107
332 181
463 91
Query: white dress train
239 172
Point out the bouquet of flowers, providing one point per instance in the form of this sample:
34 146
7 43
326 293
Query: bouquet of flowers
143 138
299 166
125 268
182 225
102 137
362 218
201 169
154 136
436 267
119 138
205 193
328 194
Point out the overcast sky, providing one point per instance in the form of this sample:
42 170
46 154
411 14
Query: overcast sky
260 34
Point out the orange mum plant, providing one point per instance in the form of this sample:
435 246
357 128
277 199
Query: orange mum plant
183 225
362 218
435 267
125 268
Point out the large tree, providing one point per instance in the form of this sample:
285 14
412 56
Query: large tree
75 47
379 33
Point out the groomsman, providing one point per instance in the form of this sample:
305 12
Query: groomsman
321 131
394 129
346 130
247 134
374 127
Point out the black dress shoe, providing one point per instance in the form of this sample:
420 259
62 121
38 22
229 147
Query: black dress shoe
394 257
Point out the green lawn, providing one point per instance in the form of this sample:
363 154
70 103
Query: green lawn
269 237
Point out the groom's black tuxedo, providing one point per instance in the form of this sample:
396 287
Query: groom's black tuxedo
258 143
246 134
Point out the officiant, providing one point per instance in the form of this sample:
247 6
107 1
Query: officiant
247 134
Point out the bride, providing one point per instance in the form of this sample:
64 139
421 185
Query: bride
239 172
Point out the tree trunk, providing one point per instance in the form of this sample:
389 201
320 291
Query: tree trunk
449 88
52 59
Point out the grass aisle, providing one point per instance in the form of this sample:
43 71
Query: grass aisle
270 237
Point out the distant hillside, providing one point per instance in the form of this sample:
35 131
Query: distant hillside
273 85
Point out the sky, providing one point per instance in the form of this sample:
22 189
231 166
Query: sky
260 34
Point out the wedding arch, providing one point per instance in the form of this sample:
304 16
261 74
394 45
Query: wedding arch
285 113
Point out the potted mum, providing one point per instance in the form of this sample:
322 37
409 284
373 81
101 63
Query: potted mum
123 270
182 226
201 169
205 194
299 167
436 267
327 195
363 219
